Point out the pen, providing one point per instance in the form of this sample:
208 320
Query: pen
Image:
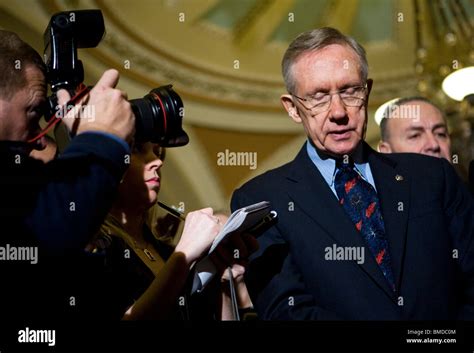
171 211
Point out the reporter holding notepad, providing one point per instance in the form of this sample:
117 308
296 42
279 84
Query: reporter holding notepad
147 278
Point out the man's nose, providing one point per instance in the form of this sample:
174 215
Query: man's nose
432 144
337 108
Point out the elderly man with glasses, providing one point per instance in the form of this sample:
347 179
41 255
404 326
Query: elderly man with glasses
360 235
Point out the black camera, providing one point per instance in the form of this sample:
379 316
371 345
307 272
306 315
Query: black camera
158 115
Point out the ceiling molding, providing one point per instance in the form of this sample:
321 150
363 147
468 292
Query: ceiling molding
154 61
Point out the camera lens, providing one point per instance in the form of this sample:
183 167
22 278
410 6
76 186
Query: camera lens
159 116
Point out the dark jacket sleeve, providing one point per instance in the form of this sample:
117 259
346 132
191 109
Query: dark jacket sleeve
459 210
78 190
274 282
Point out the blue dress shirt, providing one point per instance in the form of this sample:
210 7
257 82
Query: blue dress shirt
327 167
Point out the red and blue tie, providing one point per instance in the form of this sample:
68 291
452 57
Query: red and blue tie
361 203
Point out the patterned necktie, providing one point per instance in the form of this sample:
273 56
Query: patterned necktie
361 203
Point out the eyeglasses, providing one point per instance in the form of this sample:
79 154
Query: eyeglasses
321 101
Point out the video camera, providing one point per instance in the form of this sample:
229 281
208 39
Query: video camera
158 114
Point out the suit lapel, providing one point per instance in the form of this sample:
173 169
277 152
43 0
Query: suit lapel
393 190
310 192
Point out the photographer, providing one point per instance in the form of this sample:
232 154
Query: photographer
48 211
59 205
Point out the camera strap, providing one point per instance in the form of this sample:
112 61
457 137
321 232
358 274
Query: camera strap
82 90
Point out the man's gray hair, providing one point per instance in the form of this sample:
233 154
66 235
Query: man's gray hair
315 40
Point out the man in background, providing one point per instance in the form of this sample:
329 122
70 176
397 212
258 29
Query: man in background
416 125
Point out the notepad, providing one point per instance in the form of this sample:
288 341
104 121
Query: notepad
245 219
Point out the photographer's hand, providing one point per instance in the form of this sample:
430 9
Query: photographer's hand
104 109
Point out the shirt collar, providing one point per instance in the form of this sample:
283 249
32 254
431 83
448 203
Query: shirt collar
327 165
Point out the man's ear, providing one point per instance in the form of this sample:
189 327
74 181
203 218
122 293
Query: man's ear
290 107
384 147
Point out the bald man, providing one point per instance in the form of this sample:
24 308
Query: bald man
416 125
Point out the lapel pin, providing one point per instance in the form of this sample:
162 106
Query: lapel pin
398 177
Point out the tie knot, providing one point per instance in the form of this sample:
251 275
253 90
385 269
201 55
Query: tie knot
345 164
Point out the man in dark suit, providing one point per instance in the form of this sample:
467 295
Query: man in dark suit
360 235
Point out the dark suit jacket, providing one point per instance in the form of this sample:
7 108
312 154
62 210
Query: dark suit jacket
55 208
429 222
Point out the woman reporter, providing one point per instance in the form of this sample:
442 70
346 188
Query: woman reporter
148 277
